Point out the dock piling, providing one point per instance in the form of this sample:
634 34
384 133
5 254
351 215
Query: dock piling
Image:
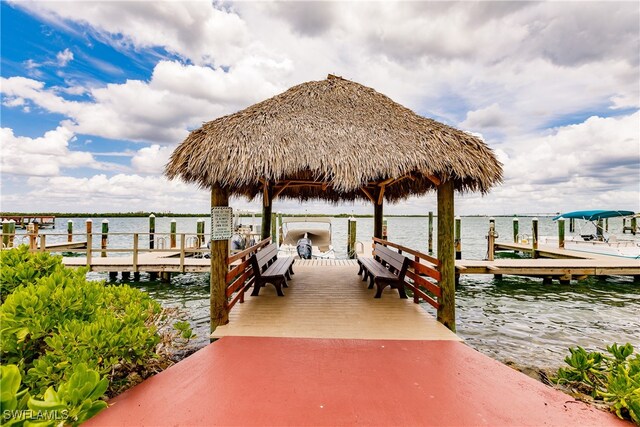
561 233
32 230
600 230
89 230
606 225
351 236
534 237
458 238
572 225
70 231
5 233
634 225
274 230
280 233
491 240
385 234
12 232
152 230
136 240
105 235
172 235
200 232
430 232
516 226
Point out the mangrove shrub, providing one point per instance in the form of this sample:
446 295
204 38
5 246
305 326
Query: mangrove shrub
63 333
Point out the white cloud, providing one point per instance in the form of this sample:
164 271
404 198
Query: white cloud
197 30
64 57
506 69
151 160
43 156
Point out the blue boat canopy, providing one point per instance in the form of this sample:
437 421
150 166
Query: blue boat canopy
593 215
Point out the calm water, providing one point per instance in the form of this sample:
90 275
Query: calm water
512 319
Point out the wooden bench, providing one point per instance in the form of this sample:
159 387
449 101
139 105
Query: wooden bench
388 271
268 268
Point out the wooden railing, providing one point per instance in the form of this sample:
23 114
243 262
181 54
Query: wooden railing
420 267
240 276
184 244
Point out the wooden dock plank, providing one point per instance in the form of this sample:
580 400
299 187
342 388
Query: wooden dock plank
331 301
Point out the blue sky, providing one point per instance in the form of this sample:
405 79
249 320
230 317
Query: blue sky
96 95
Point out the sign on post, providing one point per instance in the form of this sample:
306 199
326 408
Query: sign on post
221 223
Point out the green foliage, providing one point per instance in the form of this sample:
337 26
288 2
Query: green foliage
184 328
20 267
75 401
612 377
61 334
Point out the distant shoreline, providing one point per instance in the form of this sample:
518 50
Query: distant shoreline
245 215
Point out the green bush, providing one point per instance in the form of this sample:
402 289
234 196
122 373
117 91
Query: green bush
75 401
21 267
52 324
613 377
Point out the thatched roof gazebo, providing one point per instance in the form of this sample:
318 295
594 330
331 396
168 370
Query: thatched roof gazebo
336 140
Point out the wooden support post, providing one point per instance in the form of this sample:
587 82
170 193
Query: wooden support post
219 314
136 276
634 225
280 232
172 234
182 252
105 235
534 237
165 277
113 276
70 231
200 233
152 230
136 241
12 232
491 240
32 230
516 231
600 230
126 275
572 225
457 242
153 276
89 230
561 233
274 229
447 309
351 238
430 232
606 225
385 233
5 233
43 242
267 206
377 217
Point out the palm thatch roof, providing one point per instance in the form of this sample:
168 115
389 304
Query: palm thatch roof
334 140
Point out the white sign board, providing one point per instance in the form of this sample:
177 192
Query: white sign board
221 223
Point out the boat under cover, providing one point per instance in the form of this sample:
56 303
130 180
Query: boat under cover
593 215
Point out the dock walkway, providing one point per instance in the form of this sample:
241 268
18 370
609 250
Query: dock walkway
328 353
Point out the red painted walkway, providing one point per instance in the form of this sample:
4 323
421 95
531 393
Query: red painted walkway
292 381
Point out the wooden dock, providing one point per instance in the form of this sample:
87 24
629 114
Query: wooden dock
328 353
328 299
153 262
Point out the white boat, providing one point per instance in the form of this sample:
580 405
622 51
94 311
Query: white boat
306 237
596 241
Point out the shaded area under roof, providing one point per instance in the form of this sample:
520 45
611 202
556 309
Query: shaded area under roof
329 140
